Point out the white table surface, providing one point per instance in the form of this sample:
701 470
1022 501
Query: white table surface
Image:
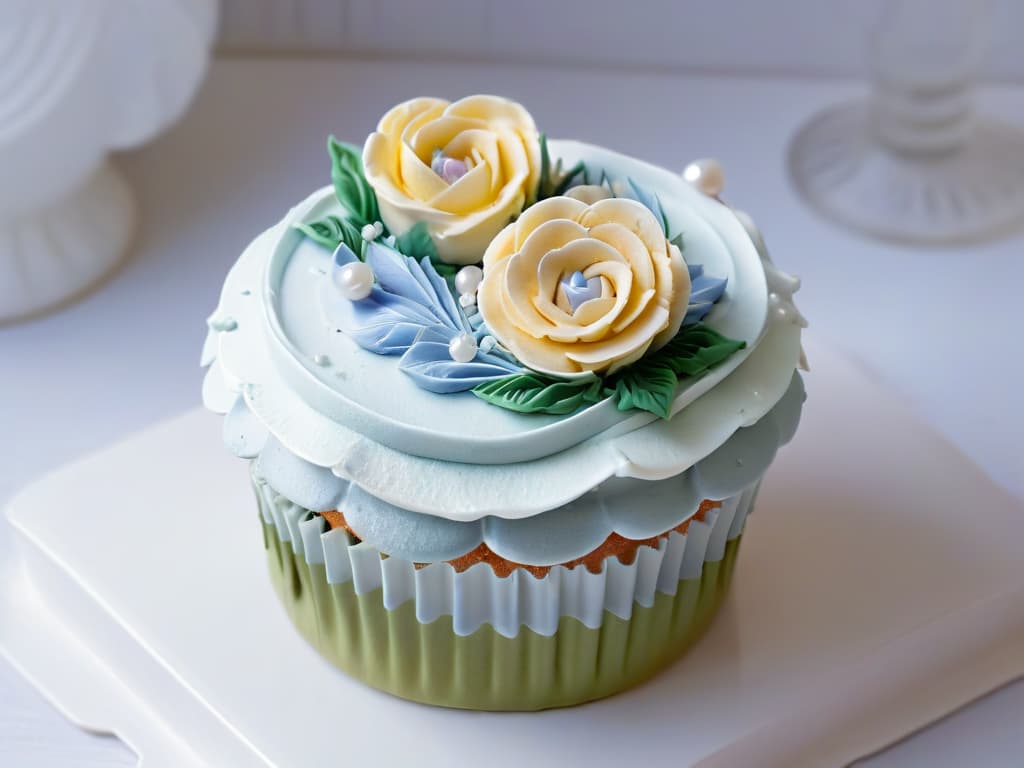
942 327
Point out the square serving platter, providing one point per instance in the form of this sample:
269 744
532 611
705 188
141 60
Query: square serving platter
879 586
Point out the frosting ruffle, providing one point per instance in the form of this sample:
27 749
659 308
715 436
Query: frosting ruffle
635 509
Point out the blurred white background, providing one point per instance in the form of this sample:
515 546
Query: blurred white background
794 38
746 72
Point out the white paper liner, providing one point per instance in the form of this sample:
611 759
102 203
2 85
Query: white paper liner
477 596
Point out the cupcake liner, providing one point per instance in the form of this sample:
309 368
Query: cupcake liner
475 640
477 596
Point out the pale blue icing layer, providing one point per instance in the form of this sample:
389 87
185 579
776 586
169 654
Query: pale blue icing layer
636 509
322 398
295 315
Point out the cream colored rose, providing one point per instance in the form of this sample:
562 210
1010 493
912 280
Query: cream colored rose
465 168
571 287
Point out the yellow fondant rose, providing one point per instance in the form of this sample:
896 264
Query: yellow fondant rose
465 169
577 286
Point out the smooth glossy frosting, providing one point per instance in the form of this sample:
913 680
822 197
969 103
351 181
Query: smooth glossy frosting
340 421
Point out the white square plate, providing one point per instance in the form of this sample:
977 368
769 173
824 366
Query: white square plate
879 586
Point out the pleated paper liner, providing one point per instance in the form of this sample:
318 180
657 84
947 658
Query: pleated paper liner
478 641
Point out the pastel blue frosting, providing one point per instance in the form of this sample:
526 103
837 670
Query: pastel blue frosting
636 509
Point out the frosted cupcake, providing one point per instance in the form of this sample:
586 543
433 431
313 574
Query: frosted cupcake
507 404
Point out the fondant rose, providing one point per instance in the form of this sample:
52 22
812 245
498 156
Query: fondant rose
465 169
572 286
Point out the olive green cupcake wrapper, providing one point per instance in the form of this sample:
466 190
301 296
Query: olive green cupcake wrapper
393 651
477 597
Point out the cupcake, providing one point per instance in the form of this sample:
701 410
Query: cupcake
507 404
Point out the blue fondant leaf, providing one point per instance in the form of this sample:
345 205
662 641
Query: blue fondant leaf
430 365
392 272
409 305
650 201
445 298
705 291
384 323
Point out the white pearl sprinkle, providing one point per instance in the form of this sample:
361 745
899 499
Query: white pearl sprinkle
462 348
467 300
354 281
487 343
706 175
468 279
369 233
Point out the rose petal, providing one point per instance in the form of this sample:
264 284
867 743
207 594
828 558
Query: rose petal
543 212
470 193
492 110
593 310
589 193
631 247
418 178
679 297
481 148
633 216
638 335
521 277
414 112
438 134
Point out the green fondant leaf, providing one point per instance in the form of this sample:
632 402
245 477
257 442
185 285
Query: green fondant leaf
568 178
332 230
545 165
350 185
445 270
695 349
647 386
537 393
650 383
417 243
553 180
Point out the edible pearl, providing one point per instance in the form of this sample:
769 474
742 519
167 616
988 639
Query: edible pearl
468 279
706 175
354 281
467 300
368 232
462 348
